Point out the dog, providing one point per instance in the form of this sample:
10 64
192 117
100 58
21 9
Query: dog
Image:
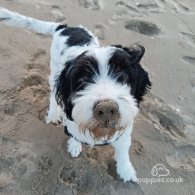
95 91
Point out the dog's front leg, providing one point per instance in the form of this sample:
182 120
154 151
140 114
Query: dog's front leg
74 147
123 164
55 112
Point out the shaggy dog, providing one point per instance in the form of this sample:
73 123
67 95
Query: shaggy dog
95 91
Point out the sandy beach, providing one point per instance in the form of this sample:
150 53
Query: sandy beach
33 154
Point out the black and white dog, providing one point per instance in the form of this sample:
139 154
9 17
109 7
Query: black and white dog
95 91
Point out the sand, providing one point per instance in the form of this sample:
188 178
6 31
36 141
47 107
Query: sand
33 154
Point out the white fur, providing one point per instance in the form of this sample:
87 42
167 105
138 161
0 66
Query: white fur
74 147
124 166
18 20
105 87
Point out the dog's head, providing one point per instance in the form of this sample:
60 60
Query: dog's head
101 89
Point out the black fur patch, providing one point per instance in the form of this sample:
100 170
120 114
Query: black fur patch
61 27
125 67
77 36
76 75
135 52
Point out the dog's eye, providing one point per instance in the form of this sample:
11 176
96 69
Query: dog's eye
122 77
82 82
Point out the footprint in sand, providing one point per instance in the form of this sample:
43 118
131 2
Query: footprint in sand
11 108
147 6
42 184
188 38
183 158
129 7
16 160
189 59
136 9
58 15
143 27
137 147
184 8
45 163
124 10
100 31
67 176
151 6
179 7
192 83
84 176
176 6
91 4
32 80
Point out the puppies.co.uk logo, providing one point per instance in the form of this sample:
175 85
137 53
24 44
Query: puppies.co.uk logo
159 170
160 175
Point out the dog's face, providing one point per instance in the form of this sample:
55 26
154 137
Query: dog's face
101 89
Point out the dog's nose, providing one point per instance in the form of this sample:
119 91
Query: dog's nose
106 112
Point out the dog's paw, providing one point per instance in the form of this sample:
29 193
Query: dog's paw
127 173
53 120
74 147
54 117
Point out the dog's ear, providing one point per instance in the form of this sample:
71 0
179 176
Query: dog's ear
138 77
64 90
135 52
140 82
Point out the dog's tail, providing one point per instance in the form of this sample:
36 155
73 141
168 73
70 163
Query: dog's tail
18 20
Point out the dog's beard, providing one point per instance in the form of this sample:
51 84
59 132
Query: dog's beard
97 131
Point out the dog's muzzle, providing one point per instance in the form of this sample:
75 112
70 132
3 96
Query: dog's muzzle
106 112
